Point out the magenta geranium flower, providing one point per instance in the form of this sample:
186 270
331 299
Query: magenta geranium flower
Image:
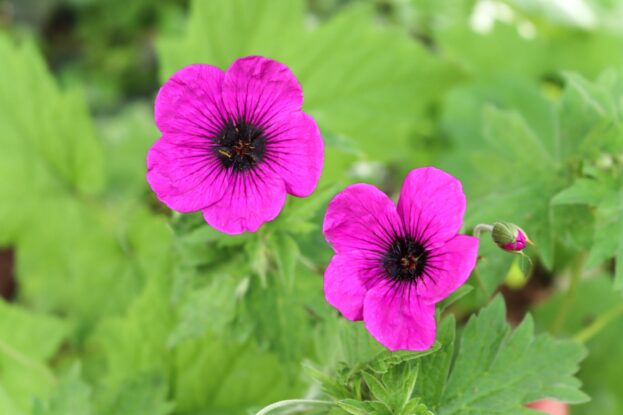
392 264
233 143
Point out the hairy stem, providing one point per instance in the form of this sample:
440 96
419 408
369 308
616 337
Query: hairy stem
561 317
599 324
292 402
482 227
478 229
481 284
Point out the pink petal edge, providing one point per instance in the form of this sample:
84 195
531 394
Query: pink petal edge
399 321
260 89
296 152
247 210
190 102
432 204
343 288
450 267
178 180
359 218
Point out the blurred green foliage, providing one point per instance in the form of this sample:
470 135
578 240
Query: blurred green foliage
123 307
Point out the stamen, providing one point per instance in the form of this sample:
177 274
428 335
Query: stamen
405 260
240 145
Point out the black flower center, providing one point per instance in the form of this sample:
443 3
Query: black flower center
405 260
240 145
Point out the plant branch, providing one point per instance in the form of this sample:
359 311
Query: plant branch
480 228
561 317
599 324
298 402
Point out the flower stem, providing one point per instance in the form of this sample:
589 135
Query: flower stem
282 404
482 227
561 317
478 229
481 284
599 324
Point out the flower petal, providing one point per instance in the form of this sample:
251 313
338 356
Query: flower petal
259 89
252 198
343 287
431 205
190 102
184 174
447 268
397 319
295 152
361 218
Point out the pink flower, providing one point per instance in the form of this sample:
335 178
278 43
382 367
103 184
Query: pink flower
392 264
233 143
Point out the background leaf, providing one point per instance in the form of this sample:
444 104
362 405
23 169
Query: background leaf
499 371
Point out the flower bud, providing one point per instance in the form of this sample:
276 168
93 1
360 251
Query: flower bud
509 237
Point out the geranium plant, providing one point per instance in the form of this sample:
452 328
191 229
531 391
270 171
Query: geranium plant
323 207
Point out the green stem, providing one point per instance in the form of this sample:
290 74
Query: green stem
289 402
478 229
599 324
482 227
481 284
563 312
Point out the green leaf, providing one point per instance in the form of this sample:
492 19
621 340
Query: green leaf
72 396
609 233
138 395
257 254
210 308
126 137
522 160
382 98
553 47
135 343
118 249
600 372
24 373
400 380
215 375
340 340
497 371
386 359
461 292
526 202
286 252
48 143
378 389
584 191
434 368
300 216
415 407
500 175
279 316
605 193
355 407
